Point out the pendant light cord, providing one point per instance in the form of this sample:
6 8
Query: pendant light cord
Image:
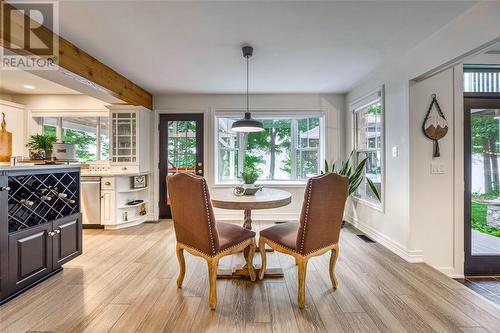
248 110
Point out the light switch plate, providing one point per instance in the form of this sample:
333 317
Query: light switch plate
437 168
395 151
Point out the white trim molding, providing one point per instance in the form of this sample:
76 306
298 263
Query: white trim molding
412 256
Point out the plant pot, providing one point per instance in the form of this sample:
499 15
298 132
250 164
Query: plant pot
246 189
37 154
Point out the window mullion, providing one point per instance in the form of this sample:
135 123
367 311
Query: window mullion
293 149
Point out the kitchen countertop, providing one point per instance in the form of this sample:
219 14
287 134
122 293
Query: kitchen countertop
37 167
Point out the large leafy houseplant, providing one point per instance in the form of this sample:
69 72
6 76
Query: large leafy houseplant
355 173
43 142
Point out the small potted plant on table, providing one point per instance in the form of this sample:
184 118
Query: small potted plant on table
248 177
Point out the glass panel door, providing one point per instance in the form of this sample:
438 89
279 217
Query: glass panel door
482 185
181 151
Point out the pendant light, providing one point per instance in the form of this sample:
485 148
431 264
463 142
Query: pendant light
247 124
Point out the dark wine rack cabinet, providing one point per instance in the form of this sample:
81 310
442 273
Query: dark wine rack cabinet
40 224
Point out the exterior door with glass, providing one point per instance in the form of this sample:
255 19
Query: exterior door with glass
181 151
482 183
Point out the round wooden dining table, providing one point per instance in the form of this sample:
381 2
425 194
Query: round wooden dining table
264 199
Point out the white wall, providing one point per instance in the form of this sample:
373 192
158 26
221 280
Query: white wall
411 191
331 105
15 117
432 196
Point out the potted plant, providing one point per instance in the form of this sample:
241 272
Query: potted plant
355 173
248 177
40 146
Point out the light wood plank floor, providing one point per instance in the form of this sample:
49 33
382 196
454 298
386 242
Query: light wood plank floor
125 282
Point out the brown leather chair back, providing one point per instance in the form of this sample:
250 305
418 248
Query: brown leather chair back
192 212
322 212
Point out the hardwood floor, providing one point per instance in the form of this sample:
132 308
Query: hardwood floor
126 282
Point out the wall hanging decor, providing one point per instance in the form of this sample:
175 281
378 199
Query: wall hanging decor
435 125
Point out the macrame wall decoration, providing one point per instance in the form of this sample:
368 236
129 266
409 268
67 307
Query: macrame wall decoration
435 125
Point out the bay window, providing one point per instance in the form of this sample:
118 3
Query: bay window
289 149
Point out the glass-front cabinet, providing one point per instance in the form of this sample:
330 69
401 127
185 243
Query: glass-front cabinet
130 130
124 129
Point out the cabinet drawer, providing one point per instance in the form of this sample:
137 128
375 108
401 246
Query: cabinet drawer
124 169
107 183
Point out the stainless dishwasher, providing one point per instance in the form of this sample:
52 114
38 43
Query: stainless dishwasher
91 200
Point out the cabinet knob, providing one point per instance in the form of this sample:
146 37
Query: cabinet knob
51 234
4 188
57 231
107 183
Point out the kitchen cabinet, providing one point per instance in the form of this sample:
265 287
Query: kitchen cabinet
130 138
38 251
40 224
108 207
67 239
30 256
116 194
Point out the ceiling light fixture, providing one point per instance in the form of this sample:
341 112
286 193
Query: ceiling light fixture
247 124
27 86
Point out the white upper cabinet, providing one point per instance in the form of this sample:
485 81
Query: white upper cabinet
130 139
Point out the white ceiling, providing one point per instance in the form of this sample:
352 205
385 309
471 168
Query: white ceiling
300 47
13 81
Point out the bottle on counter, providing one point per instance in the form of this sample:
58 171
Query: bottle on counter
5 142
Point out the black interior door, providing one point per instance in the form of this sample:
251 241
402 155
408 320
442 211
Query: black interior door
482 184
181 151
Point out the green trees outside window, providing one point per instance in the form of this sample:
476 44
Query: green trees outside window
287 149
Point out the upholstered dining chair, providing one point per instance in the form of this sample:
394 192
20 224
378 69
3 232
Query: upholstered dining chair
316 233
197 233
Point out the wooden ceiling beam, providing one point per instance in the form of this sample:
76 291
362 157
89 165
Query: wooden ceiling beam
75 63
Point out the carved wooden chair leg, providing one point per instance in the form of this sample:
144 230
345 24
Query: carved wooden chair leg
212 279
182 264
262 251
333 261
302 268
249 254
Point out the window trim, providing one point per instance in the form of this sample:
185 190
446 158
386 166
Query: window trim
267 114
355 107
59 129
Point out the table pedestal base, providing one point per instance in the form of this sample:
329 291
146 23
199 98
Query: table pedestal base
239 272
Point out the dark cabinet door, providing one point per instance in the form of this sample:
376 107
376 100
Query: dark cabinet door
67 239
30 255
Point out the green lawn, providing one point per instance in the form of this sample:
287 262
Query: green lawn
479 220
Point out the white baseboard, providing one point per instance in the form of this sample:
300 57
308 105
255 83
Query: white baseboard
451 272
412 256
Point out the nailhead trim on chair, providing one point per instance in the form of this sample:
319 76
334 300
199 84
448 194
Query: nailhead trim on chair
213 255
306 215
295 251
204 187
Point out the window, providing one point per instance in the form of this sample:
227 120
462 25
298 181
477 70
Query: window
481 78
289 149
89 134
369 141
